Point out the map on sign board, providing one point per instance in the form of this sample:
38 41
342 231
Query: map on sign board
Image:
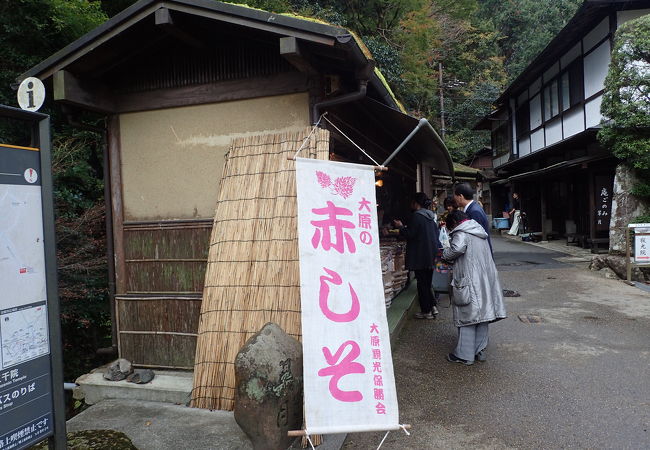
22 267
24 335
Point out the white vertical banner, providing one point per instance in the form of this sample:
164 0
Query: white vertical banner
348 366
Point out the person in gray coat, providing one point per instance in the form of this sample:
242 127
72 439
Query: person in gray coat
476 291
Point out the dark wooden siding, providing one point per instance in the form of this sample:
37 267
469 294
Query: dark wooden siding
177 66
158 331
158 310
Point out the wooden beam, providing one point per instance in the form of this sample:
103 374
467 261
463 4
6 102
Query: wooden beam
166 23
87 95
255 24
290 50
86 44
125 56
284 83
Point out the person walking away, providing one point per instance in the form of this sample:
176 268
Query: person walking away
464 198
476 296
515 213
421 247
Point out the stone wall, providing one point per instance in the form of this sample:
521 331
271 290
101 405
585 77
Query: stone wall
625 207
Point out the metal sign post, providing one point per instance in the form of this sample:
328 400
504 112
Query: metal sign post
32 404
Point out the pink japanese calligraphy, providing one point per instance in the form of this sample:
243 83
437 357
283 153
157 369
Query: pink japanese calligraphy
338 370
378 381
322 233
323 297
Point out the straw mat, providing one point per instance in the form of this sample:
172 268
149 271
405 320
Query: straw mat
253 274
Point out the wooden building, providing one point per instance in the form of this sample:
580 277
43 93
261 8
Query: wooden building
545 125
178 81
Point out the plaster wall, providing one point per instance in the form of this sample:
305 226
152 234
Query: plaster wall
172 159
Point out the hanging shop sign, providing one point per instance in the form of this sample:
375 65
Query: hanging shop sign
28 400
603 201
348 368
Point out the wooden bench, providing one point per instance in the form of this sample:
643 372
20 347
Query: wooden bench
576 239
595 243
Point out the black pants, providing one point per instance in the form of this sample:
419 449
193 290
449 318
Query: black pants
425 296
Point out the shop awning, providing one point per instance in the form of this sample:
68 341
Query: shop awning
557 167
381 129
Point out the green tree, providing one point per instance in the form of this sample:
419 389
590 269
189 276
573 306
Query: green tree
31 30
626 101
473 74
526 27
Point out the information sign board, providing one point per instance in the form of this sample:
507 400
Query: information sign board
26 407
642 245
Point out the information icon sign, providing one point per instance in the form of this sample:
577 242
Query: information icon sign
31 94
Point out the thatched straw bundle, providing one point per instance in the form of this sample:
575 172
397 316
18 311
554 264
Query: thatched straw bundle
253 274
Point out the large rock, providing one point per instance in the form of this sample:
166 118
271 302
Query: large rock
625 207
618 266
268 399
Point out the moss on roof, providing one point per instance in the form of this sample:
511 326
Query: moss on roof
390 91
364 49
462 168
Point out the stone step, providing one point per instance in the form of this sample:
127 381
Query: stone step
168 386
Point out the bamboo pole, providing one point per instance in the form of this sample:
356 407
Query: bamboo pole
296 433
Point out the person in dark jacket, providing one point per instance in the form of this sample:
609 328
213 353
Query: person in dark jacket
464 197
422 246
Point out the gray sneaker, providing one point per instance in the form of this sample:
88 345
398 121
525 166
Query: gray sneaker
481 356
434 311
455 359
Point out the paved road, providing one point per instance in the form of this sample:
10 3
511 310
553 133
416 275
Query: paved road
579 379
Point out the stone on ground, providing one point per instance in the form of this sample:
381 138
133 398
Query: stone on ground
118 370
141 376
268 398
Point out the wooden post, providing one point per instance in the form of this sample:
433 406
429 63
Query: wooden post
116 203
628 264
442 103
543 212
592 206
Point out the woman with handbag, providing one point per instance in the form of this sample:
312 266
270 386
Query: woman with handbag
476 293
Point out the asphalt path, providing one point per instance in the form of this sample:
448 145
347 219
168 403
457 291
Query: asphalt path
578 379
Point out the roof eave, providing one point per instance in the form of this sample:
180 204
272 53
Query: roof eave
559 40
282 24
136 12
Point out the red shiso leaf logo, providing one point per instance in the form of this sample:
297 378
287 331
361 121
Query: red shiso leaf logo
344 186
323 179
